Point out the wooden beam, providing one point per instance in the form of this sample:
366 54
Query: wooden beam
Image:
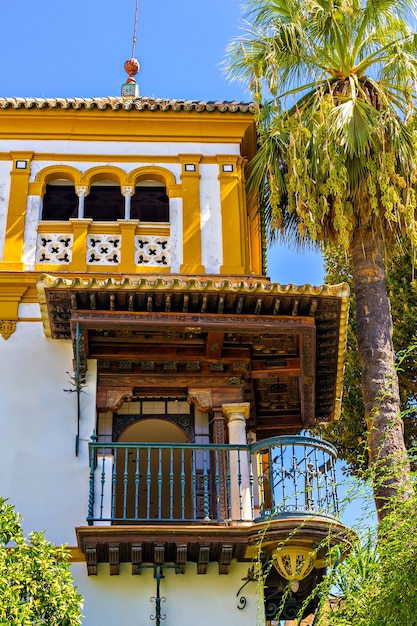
214 346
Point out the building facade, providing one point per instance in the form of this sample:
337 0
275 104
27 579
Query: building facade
154 381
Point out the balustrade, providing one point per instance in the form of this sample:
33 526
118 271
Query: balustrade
194 483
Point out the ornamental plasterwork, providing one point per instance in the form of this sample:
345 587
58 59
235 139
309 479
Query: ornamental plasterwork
7 328
103 249
152 250
53 248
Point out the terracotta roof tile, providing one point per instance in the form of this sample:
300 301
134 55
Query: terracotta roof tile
118 102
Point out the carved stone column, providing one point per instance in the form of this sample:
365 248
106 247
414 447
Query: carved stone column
239 462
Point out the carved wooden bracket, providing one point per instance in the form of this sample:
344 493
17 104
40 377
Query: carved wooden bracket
201 399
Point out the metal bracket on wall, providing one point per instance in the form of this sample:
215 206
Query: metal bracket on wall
157 598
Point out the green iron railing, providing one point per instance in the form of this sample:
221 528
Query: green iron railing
201 483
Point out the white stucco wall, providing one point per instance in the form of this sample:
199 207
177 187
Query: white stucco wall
211 222
191 598
39 471
120 147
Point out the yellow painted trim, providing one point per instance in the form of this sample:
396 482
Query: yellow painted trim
132 126
11 294
106 158
15 225
152 172
51 172
234 219
191 215
103 172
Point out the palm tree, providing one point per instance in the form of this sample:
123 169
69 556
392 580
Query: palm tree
337 164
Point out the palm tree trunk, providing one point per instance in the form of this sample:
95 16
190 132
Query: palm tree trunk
387 452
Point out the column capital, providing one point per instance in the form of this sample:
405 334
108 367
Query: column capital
236 410
127 191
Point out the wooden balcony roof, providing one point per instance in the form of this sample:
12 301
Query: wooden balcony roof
281 345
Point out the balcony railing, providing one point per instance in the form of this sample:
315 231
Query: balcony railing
143 483
84 244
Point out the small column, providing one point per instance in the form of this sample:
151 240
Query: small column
240 488
81 192
127 192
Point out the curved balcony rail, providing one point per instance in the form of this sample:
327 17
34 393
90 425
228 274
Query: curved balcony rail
143 483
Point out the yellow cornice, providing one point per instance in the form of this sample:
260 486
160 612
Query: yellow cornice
120 125
106 158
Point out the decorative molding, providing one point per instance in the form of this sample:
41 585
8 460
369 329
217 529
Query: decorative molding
152 250
103 249
54 248
7 328
201 399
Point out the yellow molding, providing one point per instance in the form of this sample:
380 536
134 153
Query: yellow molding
133 126
234 220
106 158
191 215
16 214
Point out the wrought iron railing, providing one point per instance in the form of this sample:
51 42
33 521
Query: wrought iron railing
210 483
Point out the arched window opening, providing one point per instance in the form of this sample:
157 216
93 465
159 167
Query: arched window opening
60 201
104 202
150 202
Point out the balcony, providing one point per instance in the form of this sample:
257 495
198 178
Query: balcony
141 483
163 502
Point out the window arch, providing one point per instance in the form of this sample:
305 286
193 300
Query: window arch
58 192
150 202
60 202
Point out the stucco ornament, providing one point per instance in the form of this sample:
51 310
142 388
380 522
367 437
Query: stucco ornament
7 328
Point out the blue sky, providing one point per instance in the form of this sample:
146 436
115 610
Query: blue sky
78 47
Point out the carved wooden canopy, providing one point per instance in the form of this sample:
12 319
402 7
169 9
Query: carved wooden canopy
282 347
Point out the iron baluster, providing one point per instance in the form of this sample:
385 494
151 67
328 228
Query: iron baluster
194 485
125 482
137 483
239 483
182 483
90 514
171 484
148 486
159 516
205 488
102 482
217 482
114 485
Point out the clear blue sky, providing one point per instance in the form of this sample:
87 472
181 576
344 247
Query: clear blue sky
75 48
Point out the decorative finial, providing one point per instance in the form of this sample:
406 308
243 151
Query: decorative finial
130 88
131 68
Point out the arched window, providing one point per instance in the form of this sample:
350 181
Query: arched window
104 202
60 202
150 202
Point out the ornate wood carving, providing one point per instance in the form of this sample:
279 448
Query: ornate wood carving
201 399
91 560
225 558
136 557
203 558
114 559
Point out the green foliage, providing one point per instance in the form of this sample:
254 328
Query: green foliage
349 434
36 586
337 143
376 584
